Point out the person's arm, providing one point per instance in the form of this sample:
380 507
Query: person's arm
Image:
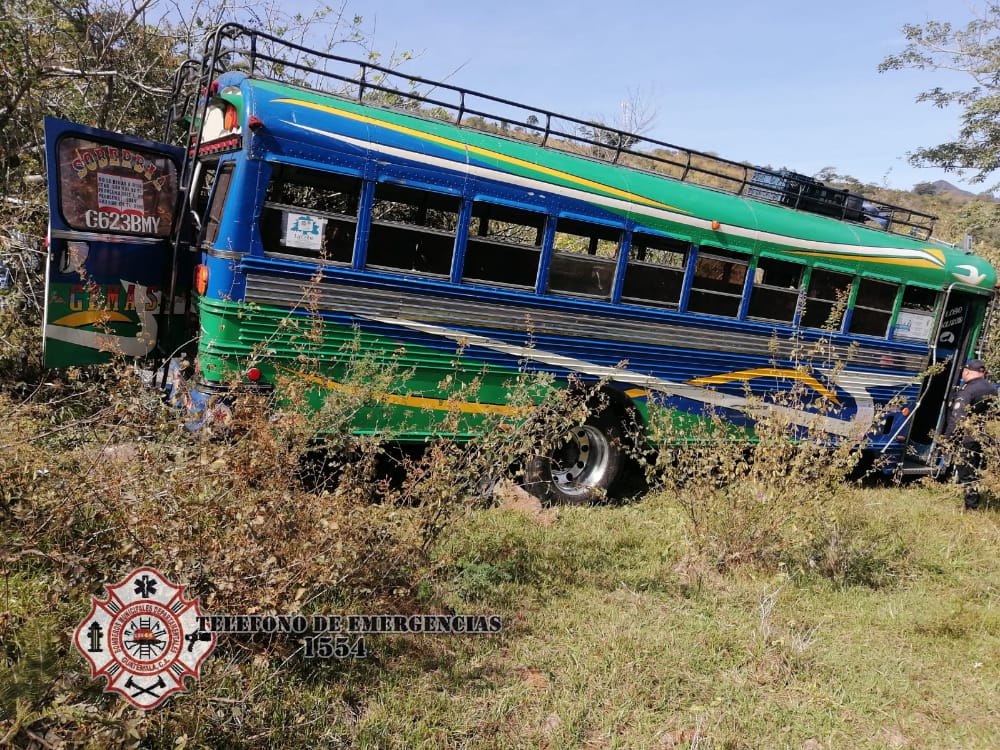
958 408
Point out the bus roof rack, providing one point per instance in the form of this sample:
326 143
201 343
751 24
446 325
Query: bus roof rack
263 55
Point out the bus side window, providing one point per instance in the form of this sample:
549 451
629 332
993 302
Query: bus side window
916 314
215 185
412 230
584 258
873 307
717 287
504 246
776 288
655 272
310 214
826 300
205 174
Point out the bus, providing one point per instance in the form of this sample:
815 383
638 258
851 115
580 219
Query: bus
471 239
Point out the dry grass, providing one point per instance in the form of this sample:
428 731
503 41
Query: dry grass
752 600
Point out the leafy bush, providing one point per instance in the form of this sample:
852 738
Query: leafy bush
984 428
102 479
768 495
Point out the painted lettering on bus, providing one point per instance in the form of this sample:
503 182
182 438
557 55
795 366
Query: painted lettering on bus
114 221
953 317
109 297
90 160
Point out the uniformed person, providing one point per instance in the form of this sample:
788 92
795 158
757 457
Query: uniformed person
974 396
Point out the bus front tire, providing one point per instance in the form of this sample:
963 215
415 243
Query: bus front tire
581 469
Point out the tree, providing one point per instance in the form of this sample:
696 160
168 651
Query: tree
103 65
827 174
974 50
635 119
981 219
830 175
109 64
106 66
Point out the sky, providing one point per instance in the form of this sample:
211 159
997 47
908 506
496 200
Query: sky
786 83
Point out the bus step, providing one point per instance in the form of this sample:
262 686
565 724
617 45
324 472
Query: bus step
919 468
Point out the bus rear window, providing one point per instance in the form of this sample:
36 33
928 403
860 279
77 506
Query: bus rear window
111 189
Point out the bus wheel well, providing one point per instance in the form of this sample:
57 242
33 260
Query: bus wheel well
581 466
590 461
610 403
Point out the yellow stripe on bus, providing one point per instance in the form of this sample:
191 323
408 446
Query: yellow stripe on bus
484 152
768 372
909 262
418 402
92 317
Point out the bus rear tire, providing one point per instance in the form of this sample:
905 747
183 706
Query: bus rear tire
582 468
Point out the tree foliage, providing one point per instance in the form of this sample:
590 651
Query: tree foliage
106 66
635 118
109 64
974 50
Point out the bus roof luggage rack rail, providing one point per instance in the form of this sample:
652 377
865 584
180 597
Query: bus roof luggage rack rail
262 55
808 194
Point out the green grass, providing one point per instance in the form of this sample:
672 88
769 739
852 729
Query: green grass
629 650
616 636
614 642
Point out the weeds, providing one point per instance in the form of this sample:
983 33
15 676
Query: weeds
607 642
100 478
768 494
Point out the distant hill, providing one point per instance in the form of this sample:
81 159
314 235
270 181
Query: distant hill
945 188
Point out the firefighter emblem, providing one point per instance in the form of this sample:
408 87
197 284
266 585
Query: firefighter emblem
144 638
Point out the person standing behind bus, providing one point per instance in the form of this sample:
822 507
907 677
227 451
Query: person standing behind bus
975 395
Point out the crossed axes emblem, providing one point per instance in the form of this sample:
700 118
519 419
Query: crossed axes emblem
150 690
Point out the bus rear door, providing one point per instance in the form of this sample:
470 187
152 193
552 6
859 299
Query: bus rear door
112 208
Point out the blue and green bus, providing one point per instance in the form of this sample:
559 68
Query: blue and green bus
469 239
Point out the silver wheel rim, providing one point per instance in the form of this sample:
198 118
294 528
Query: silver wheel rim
582 462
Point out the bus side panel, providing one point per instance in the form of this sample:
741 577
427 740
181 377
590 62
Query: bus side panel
112 207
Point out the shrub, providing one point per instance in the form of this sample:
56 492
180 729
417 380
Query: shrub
768 494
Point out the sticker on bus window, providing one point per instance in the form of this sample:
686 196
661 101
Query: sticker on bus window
121 194
109 188
303 231
914 326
